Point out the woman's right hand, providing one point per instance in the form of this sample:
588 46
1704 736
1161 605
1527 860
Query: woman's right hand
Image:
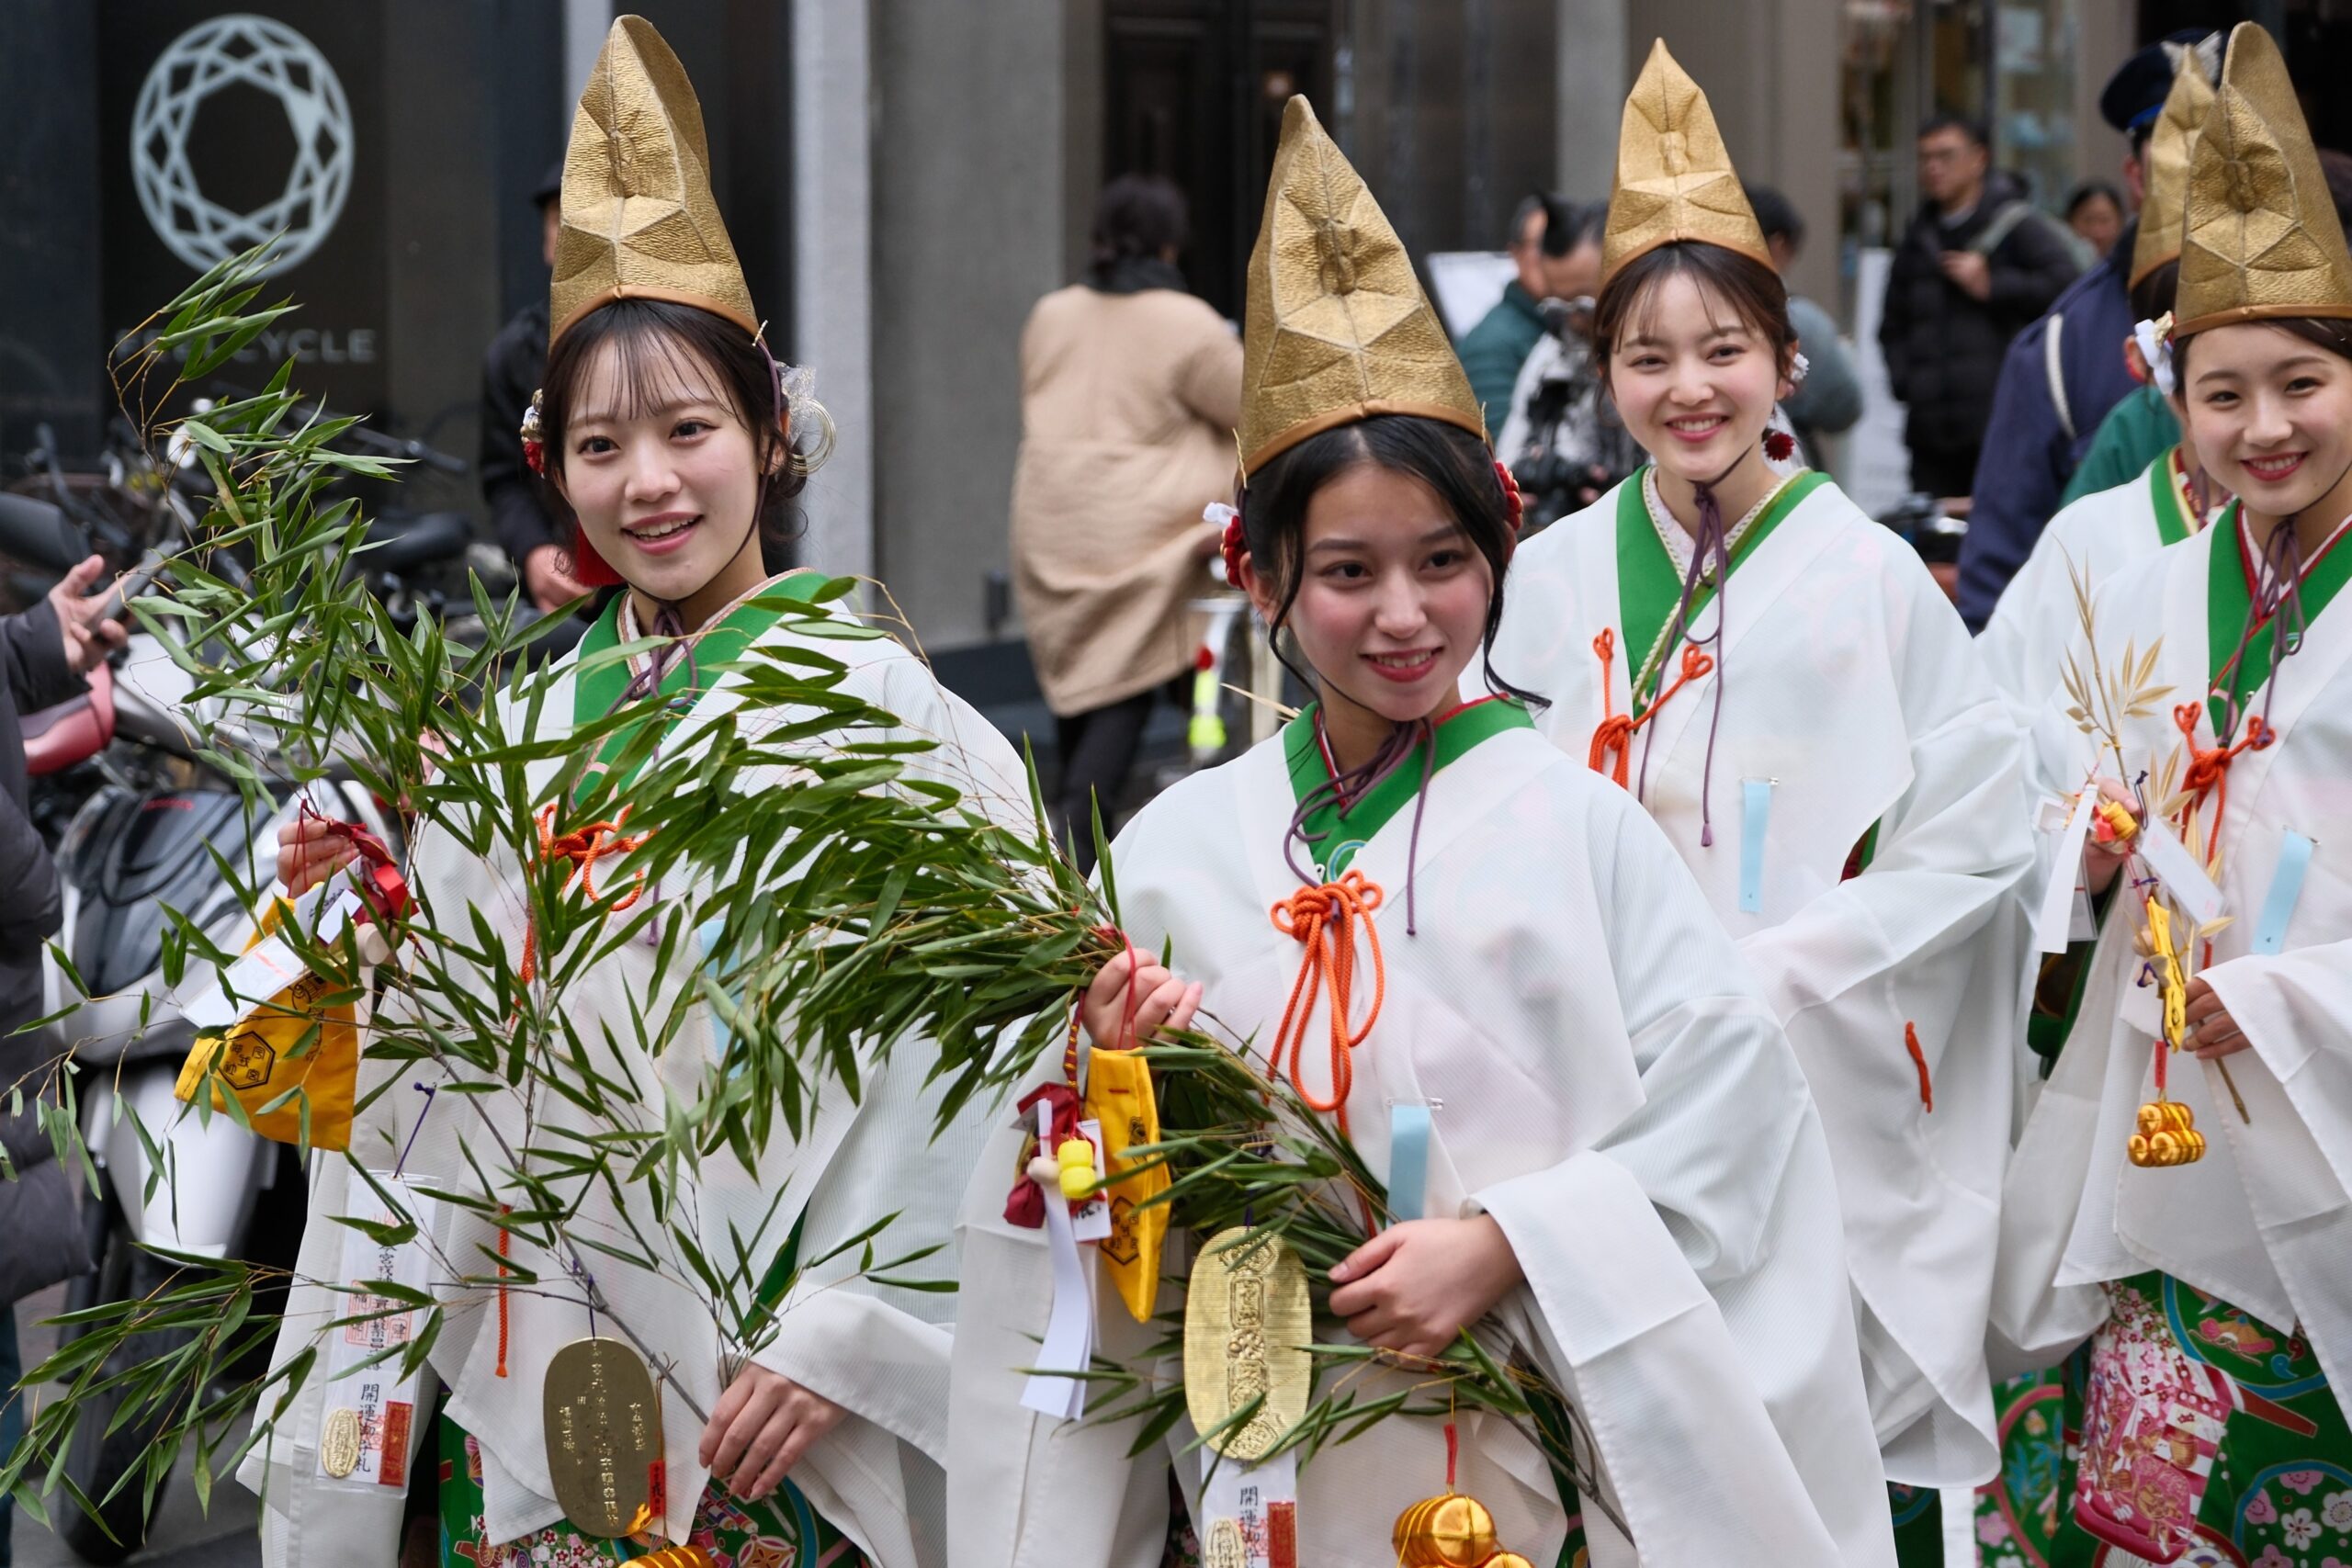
1119 1015
2101 860
310 849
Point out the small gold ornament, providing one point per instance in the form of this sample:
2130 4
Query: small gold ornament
675 1557
339 1443
603 1429
2167 1135
1247 1325
1451 1531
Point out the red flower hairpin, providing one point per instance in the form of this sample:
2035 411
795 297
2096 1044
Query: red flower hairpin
1780 446
1232 544
535 446
1514 503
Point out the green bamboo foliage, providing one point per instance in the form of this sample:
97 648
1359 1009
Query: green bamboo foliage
861 906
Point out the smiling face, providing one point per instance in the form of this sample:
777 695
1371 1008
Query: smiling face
1694 379
2270 414
661 471
1391 602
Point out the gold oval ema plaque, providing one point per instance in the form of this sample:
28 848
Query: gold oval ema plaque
1247 1327
604 1438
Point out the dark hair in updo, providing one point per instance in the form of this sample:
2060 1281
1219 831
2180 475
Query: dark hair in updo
1753 291
1453 463
661 346
2321 331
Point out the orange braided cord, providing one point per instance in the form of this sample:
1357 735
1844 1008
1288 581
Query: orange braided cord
1324 921
583 847
1614 736
1919 1060
2208 766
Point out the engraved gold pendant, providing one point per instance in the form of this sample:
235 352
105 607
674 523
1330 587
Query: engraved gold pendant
339 1443
1247 1328
603 1422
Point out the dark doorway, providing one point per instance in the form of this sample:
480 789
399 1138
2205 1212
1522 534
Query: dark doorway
1193 90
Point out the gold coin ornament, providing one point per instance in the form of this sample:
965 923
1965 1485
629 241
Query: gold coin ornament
603 1419
339 1443
1451 1531
1247 1328
2168 1136
674 1557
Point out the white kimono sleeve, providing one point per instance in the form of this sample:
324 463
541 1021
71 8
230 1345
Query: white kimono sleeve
1688 1268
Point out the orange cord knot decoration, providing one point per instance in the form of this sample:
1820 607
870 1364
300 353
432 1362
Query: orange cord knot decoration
2208 766
1324 920
1614 736
583 847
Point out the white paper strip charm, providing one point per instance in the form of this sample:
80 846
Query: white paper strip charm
2183 878
1250 1513
371 1412
1070 1331
2054 923
269 966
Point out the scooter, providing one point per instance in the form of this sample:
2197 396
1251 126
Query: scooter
142 841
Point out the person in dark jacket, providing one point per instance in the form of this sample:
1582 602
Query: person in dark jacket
1976 266
536 542
2064 373
44 653
1493 350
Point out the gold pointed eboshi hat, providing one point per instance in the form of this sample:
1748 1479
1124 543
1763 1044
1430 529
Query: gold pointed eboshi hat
2261 239
638 218
2172 144
1336 328
1675 181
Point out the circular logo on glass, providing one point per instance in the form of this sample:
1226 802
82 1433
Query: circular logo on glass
241 54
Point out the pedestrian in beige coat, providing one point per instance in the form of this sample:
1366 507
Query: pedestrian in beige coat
1130 388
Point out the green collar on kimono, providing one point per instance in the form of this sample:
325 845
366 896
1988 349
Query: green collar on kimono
2229 594
1335 832
2173 523
596 693
1649 586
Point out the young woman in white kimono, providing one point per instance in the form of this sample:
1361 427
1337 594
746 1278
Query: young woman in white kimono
673 437
2098 535
1621 1157
2214 1276
1820 743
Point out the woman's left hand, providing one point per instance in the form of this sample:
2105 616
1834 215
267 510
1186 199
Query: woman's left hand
1416 1285
763 1425
2212 1033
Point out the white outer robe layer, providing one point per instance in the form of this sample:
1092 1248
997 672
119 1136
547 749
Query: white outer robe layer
2265 1220
2036 621
881 1352
1854 690
1613 1093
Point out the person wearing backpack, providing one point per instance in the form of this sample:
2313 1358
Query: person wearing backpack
1976 266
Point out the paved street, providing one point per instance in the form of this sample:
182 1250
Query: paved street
184 1537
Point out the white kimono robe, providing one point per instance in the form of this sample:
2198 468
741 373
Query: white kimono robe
2265 1220
2098 535
880 1351
1614 1093
1854 705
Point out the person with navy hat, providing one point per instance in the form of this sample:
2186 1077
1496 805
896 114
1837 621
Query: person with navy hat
2064 373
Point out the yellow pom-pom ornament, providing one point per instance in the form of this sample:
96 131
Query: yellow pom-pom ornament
1077 1158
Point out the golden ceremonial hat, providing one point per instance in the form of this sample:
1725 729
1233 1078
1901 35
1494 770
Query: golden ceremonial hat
639 220
2260 239
1336 328
1673 178
2171 145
